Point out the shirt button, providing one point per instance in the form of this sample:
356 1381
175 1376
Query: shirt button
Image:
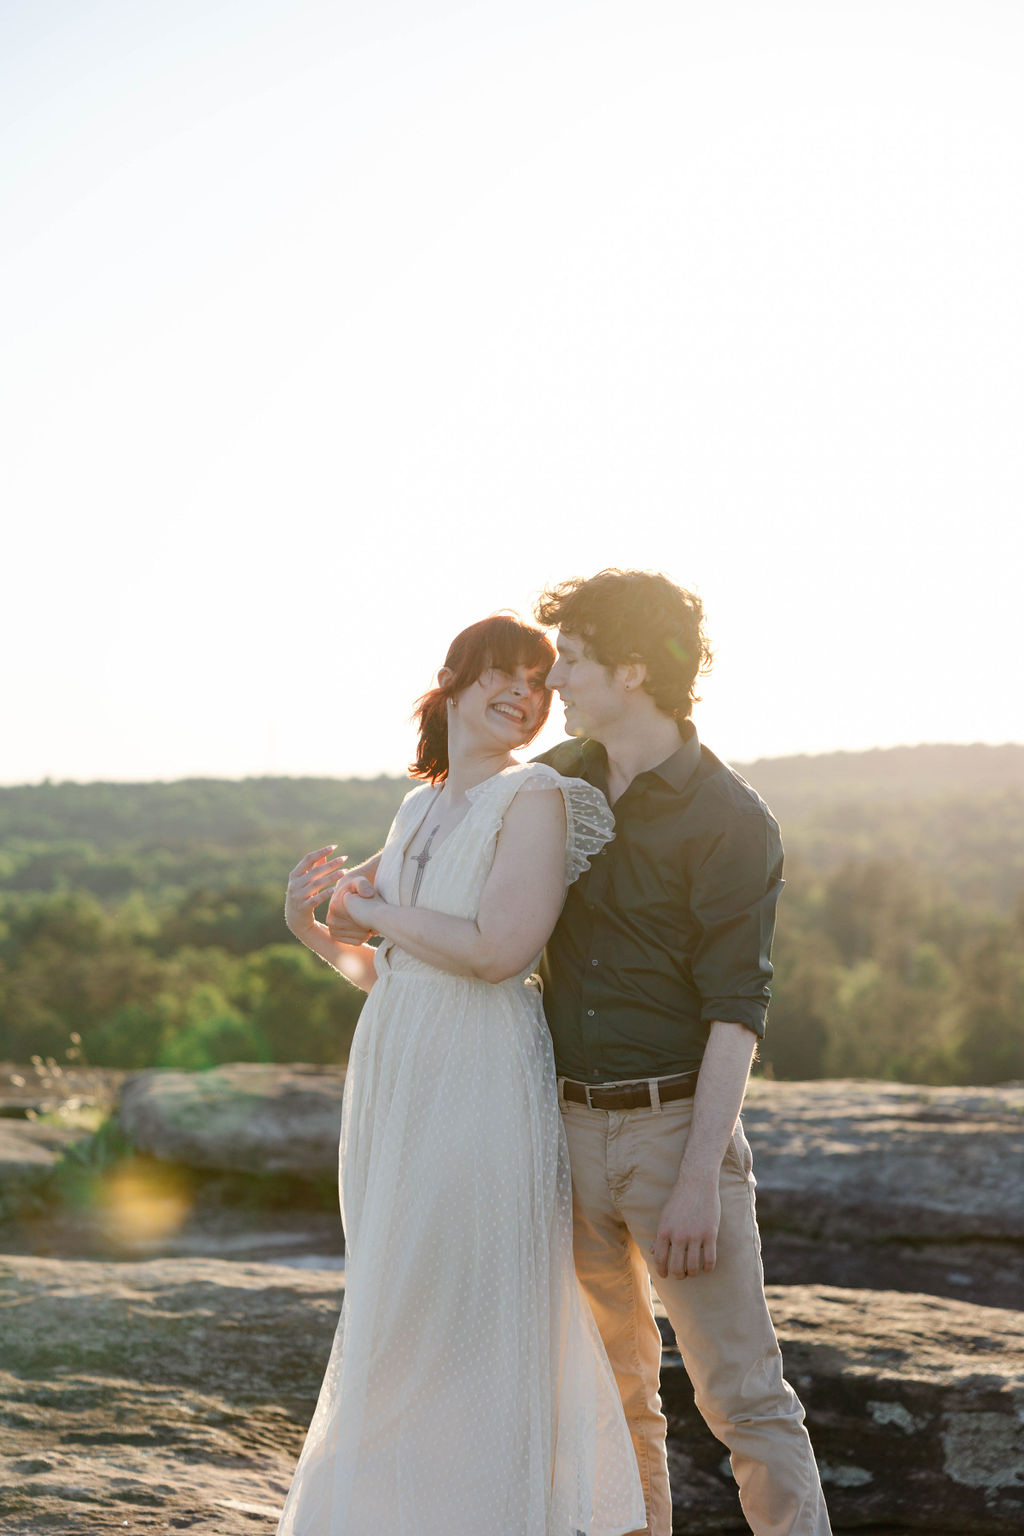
590 1013
593 962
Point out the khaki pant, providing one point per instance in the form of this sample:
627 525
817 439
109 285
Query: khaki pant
624 1165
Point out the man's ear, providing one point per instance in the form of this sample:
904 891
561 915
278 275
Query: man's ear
633 675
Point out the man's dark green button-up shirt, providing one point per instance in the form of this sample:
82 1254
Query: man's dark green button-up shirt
671 927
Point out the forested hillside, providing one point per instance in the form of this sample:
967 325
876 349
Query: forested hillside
146 918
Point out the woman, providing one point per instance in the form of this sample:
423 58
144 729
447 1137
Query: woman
467 1392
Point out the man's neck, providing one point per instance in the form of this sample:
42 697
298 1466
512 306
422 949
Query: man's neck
639 745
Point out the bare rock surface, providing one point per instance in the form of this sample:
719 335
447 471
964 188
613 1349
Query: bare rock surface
885 1161
247 1118
842 1159
984 1273
174 1394
29 1152
915 1407
168 1395
860 1184
888 1186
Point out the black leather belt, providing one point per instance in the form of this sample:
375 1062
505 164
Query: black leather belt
641 1095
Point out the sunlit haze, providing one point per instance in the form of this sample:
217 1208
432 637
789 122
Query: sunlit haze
329 329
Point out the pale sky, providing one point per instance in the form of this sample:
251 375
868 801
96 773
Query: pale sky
328 329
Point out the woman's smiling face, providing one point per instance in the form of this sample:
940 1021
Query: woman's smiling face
508 706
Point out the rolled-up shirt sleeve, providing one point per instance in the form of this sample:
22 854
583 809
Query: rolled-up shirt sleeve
735 891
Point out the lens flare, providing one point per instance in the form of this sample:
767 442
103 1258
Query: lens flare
677 650
142 1202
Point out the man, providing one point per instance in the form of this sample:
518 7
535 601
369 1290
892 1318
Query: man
656 990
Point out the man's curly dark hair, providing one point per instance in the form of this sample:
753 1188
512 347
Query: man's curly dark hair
631 616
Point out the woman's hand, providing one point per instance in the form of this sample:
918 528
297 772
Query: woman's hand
310 883
354 907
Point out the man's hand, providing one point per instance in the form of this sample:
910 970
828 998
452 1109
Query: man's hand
687 1240
346 927
687 1237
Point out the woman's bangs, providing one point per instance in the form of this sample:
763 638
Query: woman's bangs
504 644
515 649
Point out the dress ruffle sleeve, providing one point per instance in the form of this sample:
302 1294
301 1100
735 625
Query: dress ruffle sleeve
589 823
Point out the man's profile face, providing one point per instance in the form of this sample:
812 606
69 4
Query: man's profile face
590 693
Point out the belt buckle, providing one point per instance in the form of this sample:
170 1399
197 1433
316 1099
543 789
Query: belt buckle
586 1096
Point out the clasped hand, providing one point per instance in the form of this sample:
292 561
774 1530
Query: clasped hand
353 902
354 905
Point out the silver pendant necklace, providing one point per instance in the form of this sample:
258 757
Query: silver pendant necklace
421 860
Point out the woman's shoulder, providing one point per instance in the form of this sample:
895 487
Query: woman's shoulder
504 786
536 775
589 822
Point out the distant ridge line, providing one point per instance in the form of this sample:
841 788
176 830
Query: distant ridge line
1009 755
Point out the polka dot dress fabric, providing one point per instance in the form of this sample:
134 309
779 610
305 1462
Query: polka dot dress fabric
467 1391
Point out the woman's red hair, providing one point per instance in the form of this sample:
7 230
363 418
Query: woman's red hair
502 642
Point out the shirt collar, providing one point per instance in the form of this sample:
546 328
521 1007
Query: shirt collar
678 770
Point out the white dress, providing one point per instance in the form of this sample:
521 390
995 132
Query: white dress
467 1393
